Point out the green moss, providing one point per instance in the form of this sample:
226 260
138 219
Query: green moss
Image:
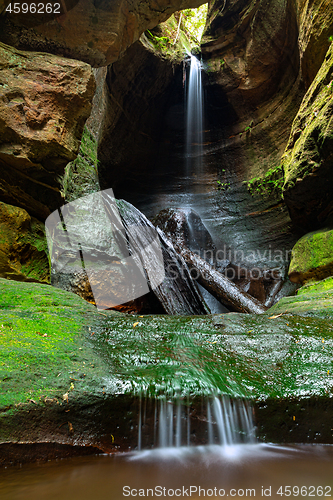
269 183
81 175
311 136
317 287
312 257
316 301
23 247
53 343
42 347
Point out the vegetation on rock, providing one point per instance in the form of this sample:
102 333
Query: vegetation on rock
271 182
81 175
23 248
312 257
180 33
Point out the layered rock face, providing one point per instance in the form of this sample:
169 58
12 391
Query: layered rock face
44 102
95 32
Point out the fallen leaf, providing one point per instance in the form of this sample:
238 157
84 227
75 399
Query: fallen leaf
277 316
135 324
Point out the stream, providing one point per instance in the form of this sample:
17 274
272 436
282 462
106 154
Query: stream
259 470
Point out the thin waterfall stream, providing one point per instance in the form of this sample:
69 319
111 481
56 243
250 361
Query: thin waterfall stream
171 423
194 120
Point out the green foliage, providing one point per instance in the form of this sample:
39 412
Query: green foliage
194 23
270 183
247 129
223 186
160 42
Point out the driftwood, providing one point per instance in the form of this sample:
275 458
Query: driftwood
224 290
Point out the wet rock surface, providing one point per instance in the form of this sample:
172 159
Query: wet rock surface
110 254
191 238
84 370
185 228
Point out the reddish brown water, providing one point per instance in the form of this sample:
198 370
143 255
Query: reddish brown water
245 471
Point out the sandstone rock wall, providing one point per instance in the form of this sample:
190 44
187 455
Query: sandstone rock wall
95 32
44 102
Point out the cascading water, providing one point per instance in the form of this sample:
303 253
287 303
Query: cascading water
221 421
194 120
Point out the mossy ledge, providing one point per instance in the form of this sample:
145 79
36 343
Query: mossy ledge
73 375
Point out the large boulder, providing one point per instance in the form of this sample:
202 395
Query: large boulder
23 249
44 103
314 299
312 257
96 32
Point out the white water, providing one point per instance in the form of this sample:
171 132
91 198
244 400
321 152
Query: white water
194 120
222 422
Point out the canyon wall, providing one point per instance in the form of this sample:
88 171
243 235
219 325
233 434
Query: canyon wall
262 69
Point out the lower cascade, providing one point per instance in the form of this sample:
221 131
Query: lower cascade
217 420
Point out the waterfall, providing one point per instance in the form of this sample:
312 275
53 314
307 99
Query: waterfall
194 120
221 421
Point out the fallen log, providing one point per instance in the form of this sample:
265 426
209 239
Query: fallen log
224 290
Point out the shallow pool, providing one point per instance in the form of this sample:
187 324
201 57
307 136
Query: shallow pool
241 471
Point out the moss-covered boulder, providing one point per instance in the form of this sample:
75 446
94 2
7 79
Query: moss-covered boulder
312 257
325 285
73 376
308 159
23 248
314 299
